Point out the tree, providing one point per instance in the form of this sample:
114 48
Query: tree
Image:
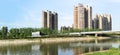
4 32
20 32
0 34
48 31
17 32
14 33
45 31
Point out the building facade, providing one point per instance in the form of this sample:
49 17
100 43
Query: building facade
50 20
103 22
82 17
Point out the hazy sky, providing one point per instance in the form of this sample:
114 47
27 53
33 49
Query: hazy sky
27 13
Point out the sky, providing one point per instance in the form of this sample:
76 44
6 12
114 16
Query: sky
28 13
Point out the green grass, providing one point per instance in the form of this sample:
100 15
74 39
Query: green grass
112 51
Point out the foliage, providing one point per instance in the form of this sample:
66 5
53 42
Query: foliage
48 31
4 32
16 32
80 30
0 34
112 51
24 32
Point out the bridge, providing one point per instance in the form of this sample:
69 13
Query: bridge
96 33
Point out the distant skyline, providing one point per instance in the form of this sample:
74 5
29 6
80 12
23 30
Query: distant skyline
28 13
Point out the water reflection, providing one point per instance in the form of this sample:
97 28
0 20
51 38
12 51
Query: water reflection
90 48
15 50
51 49
71 48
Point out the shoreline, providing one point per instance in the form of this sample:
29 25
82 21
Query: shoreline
95 52
18 41
71 39
48 40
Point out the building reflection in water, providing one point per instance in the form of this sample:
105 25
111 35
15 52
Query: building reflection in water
90 48
49 49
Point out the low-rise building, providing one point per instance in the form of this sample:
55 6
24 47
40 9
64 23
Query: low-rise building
36 34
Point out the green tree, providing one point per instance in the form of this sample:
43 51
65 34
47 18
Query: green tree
45 31
20 32
4 32
48 31
0 34
28 31
14 33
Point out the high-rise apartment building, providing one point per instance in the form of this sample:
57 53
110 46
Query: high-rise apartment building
102 22
82 17
50 20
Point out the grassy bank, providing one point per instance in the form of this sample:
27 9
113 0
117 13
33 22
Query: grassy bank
112 51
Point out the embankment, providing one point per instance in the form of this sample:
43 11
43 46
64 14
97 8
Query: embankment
48 40
70 39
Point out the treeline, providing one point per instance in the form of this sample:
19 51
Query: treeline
24 32
16 32
48 31
79 30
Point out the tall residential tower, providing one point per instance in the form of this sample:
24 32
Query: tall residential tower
82 17
50 20
103 22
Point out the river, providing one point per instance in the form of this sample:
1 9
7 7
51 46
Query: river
65 48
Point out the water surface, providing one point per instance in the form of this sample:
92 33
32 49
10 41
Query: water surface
68 48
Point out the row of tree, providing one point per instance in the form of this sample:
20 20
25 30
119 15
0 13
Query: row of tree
48 31
79 30
16 32
24 32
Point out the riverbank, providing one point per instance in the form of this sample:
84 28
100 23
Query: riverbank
18 41
48 40
90 53
71 39
112 51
